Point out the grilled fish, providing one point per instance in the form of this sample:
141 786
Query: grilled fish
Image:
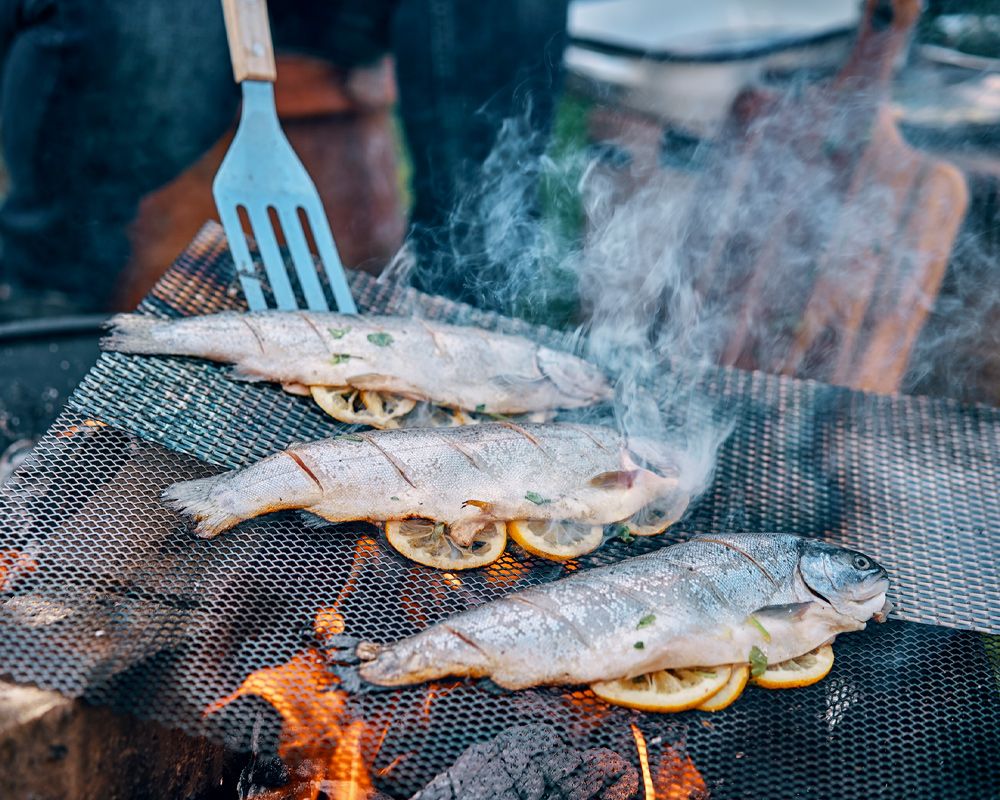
706 602
464 477
400 359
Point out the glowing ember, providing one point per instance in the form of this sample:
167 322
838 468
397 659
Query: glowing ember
13 565
505 571
329 622
452 580
591 711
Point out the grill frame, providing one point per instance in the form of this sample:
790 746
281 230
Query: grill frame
182 622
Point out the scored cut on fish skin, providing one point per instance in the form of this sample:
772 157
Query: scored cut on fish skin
465 477
702 603
450 365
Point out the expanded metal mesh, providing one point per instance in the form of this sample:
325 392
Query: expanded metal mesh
106 594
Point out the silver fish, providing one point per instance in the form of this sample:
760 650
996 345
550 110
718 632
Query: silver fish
452 366
706 602
466 478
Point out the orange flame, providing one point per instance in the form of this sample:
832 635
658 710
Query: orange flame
434 691
13 565
319 744
648 790
676 778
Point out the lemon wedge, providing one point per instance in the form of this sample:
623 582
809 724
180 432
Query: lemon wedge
428 543
730 692
558 540
803 670
656 518
362 407
665 690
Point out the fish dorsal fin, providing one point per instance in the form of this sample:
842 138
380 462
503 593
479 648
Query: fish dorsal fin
615 479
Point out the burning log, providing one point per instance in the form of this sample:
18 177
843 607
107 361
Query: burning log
53 748
530 763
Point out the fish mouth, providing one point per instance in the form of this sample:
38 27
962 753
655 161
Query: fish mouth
862 601
871 588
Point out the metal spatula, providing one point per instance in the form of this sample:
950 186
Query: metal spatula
262 175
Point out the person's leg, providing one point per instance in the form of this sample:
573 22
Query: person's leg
463 68
102 101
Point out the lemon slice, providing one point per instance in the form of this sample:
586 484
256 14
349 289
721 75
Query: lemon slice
803 670
558 540
428 543
666 689
362 407
658 516
730 692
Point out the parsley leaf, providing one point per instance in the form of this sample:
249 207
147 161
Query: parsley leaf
480 408
382 339
622 532
646 621
536 498
758 662
339 358
339 333
639 645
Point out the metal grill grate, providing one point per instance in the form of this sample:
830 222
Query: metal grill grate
111 599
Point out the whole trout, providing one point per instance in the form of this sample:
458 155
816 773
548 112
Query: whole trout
705 602
464 477
461 367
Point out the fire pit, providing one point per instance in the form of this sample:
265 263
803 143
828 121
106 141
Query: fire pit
107 597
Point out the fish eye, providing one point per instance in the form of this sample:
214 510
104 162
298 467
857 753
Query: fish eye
861 563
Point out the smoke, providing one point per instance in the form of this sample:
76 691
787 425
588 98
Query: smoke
794 244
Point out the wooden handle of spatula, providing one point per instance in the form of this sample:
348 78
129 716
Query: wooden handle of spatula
884 32
249 35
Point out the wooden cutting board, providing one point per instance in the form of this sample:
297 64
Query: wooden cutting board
816 232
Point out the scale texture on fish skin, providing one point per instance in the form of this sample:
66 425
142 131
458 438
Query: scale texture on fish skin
454 366
689 605
465 477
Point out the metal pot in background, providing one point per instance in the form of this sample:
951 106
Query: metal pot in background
683 64
41 362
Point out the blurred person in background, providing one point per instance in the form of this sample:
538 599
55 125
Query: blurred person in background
104 101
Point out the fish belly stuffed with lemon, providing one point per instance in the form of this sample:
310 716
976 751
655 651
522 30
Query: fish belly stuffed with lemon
377 370
448 496
709 604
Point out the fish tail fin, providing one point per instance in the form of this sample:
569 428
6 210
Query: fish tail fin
134 333
196 499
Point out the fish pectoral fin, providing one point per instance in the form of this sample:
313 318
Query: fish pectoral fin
245 374
484 506
311 520
616 479
511 381
299 389
785 611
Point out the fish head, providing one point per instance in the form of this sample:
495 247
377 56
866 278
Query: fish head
574 378
853 583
